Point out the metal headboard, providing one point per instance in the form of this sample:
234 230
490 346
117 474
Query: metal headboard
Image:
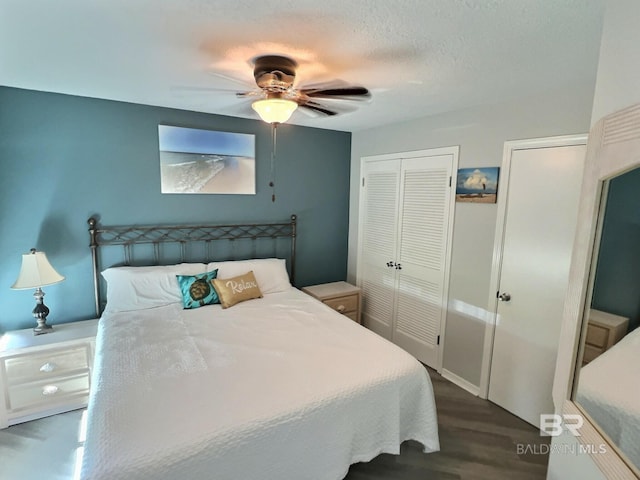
183 236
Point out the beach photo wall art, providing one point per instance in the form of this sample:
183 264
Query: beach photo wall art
477 185
206 161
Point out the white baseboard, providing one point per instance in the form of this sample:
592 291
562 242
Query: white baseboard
461 382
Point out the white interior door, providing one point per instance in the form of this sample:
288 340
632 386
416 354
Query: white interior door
379 243
404 248
423 227
538 232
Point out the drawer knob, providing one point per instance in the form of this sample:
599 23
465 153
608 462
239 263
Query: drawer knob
48 367
49 390
341 308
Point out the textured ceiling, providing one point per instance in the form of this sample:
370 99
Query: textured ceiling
418 57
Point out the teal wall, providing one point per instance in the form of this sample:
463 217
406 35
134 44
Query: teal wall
64 158
617 282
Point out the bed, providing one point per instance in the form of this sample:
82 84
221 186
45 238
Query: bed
609 389
275 387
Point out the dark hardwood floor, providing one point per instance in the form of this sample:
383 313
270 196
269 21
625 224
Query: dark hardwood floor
478 441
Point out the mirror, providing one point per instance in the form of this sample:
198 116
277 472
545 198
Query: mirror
608 368
613 150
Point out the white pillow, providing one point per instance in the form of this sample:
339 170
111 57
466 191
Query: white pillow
271 273
136 288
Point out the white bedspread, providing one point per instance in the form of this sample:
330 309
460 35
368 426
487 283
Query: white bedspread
609 391
275 388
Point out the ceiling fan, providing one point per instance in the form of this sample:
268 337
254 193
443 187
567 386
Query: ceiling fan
278 98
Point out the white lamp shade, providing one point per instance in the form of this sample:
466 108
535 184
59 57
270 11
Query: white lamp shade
36 271
274 110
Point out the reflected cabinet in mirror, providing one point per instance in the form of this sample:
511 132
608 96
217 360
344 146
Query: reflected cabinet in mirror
608 379
598 367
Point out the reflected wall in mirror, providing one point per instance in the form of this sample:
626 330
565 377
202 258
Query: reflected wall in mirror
608 379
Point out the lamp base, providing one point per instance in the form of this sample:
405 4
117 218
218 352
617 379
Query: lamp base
40 313
40 329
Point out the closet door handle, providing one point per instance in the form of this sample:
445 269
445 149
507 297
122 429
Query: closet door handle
398 266
504 297
390 264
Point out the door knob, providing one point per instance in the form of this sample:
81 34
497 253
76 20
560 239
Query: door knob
505 297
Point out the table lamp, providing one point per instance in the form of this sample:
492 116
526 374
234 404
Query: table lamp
36 272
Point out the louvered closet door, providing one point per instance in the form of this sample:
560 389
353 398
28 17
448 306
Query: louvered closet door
379 244
423 231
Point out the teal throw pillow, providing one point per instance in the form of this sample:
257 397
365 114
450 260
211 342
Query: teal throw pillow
197 290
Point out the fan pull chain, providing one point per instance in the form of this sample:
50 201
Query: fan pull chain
274 145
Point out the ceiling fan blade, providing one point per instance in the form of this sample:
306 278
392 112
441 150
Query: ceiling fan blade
193 90
250 93
186 89
354 91
243 109
245 83
318 108
336 104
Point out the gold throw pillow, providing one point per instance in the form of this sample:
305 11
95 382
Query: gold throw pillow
236 289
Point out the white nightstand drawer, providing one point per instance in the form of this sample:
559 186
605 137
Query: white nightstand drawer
604 330
26 396
43 375
597 335
341 296
52 363
344 304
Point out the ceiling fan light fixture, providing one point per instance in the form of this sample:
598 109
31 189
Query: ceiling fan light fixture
274 110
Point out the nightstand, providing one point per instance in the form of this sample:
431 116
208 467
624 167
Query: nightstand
341 296
45 374
603 331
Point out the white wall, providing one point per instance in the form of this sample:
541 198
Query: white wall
481 133
618 79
